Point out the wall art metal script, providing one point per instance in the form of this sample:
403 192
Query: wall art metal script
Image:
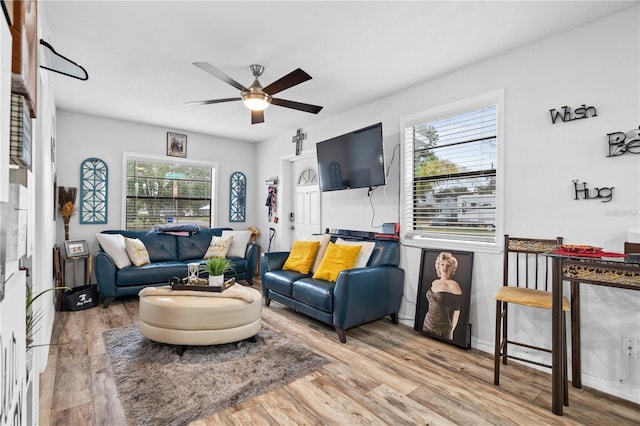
621 143
584 193
565 114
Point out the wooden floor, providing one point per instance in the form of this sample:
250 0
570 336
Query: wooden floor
384 374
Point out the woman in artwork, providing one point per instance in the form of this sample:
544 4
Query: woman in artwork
445 299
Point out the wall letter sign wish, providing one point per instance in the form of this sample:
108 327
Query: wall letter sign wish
619 142
584 193
578 114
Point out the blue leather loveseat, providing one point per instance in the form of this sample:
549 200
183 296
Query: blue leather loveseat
358 296
169 255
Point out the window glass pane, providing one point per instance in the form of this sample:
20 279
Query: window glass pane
167 192
453 168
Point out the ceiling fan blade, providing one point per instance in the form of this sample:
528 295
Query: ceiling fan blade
294 77
257 117
213 101
313 109
207 67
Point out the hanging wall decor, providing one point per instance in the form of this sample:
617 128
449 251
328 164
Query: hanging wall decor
93 191
620 143
237 197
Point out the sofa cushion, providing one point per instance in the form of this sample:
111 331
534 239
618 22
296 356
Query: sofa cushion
137 251
161 247
218 247
194 246
239 244
365 251
282 281
151 273
385 253
323 239
336 259
302 256
115 247
315 293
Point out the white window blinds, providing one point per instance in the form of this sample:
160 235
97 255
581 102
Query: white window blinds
450 176
159 192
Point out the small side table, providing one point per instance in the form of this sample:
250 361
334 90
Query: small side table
88 262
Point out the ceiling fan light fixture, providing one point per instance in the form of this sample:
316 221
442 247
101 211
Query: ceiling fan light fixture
256 101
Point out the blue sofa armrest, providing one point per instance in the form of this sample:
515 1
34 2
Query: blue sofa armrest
362 295
272 261
105 274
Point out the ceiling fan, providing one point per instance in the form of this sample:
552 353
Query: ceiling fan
256 97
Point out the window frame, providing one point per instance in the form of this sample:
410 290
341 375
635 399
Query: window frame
422 239
126 156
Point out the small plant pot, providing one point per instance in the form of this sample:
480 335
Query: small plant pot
216 280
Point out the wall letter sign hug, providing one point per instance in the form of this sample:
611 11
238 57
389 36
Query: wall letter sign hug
578 114
604 194
620 143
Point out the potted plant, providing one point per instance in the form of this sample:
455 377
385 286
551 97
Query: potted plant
33 317
216 267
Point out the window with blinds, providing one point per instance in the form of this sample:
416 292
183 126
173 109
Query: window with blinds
161 192
450 175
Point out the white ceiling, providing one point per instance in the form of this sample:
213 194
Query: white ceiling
139 54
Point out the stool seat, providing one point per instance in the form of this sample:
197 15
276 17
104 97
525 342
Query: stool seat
198 320
528 297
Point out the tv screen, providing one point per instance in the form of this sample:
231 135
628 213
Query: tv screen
352 160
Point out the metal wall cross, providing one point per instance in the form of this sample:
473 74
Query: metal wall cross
297 139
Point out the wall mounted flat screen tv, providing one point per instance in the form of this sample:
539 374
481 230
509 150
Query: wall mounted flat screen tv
352 160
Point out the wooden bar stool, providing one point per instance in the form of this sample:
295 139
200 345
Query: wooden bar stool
527 278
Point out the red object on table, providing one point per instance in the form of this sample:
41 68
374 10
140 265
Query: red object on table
596 255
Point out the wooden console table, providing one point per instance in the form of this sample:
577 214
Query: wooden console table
620 272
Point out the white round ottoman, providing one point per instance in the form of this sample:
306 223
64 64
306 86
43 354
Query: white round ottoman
198 318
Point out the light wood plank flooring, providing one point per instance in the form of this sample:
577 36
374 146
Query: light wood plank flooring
385 374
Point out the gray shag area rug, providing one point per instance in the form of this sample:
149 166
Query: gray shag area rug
156 386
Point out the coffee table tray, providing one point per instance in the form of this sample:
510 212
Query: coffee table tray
210 288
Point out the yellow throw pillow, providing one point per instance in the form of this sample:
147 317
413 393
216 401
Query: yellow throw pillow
302 255
218 247
336 259
323 239
137 251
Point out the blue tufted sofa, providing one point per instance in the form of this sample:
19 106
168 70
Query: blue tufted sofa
358 296
169 255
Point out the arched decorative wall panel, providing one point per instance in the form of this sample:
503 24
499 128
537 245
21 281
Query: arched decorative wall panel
237 197
94 175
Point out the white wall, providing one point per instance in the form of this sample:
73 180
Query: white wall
597 65
83 136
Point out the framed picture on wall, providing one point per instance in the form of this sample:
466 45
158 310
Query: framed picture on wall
176 145
444 296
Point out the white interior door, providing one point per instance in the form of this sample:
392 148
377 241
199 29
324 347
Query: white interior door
305 217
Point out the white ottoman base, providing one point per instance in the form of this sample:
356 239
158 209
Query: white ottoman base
199 320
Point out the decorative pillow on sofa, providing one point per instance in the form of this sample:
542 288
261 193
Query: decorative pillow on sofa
301 257
336 259
365 251
114 246
219 247
239 244
323 239
137 251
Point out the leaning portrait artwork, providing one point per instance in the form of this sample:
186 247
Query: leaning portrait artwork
444 294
